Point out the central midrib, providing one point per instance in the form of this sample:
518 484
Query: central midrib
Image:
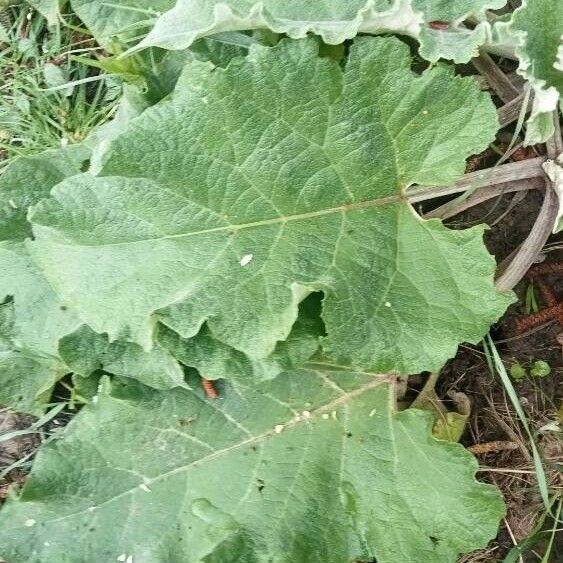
232 228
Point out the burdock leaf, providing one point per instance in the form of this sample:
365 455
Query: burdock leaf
538 26
334 21
313 466
281 175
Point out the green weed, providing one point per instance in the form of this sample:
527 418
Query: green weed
37 111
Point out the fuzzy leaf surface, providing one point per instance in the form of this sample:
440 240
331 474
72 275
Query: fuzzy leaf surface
333 21
25 380
28 179
216 360
34 319
277 176
313 466
85 352
538 25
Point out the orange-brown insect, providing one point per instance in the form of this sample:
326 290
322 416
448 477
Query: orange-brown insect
439 25
209 388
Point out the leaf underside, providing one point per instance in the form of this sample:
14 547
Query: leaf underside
313 466
539 27
334 22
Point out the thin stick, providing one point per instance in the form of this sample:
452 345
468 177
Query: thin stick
509 530
554 145
497 80
500 470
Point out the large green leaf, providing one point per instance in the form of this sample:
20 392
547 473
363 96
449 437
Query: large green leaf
30 178
280 175
85 352
40 317
35 318
29 366
123 18
538 24
216 360
26 380
333 21
313 466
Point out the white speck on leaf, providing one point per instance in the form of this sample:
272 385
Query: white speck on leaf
372 412
145 488
92 508
122 557
387 304
246 259
129 559
12 204
333 414
278 428
30 522
306 414
325 416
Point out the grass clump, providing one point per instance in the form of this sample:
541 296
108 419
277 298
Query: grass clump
47 97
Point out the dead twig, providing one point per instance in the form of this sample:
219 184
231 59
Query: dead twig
513 268
497 80
509 112
490 447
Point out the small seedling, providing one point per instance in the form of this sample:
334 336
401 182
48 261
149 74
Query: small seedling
539 368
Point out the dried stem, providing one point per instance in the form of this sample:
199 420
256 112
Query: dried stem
497 80
514 268
511 172
554 146
510 111
450 209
